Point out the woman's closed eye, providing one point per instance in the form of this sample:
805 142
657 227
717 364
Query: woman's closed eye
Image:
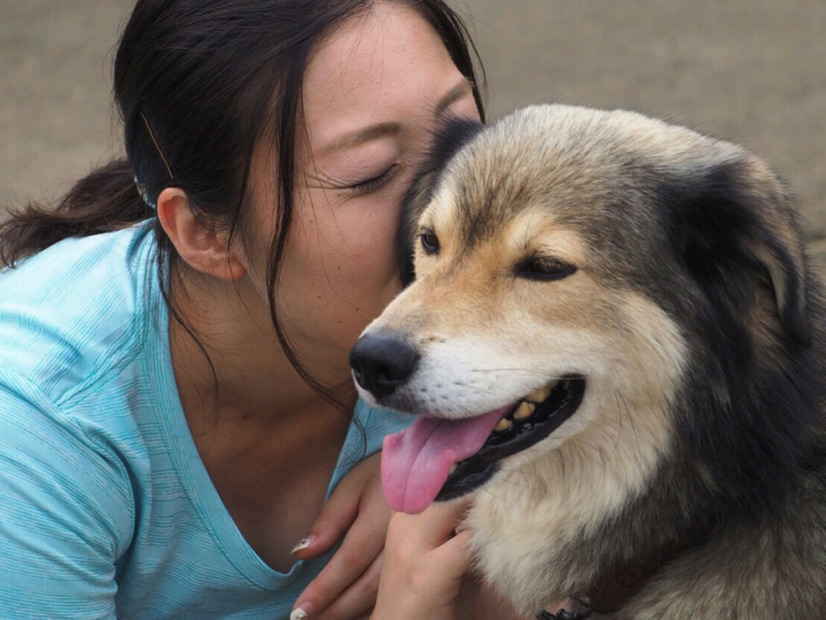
374 183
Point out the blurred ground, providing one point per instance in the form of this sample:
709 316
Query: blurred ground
751 71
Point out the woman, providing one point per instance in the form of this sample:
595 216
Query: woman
174 386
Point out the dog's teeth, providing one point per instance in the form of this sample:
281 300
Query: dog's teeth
524 410
453 468
503 425
539 395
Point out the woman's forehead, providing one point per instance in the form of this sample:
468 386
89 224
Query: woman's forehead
382 67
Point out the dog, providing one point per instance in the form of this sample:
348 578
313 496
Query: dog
612 339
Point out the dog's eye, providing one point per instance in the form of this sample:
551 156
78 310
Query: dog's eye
429 241
544 269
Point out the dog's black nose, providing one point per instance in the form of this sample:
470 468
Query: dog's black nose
381 363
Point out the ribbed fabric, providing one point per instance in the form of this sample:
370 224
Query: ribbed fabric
106 509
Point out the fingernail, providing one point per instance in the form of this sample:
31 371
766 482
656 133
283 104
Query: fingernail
303 544
304 610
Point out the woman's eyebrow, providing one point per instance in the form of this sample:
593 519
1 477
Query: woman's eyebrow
452 96
380 130
360 136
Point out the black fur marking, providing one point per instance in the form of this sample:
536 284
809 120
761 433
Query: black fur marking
749 403
448 140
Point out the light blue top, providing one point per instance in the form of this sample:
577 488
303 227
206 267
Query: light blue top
106 508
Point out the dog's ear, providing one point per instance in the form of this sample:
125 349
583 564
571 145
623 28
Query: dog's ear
740 218
448 140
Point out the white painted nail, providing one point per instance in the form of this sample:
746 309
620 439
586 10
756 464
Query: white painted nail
298 614
302 544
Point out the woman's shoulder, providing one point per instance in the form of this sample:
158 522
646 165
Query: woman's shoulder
78 263
76 309
72 376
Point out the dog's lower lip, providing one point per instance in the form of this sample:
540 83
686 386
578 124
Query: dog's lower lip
474 471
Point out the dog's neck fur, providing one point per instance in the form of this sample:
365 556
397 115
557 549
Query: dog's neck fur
620 582
557 554
587 530
573 562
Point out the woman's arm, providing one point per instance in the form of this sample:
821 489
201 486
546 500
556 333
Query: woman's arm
66 514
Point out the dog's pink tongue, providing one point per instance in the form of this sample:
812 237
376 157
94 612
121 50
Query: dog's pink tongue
416 462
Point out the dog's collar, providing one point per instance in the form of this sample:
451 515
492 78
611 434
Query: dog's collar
615 586
564 615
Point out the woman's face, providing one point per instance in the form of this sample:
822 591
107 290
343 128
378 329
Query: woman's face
372 94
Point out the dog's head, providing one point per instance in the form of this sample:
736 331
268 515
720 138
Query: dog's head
578 274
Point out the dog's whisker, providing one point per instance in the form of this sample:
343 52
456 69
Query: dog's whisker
504 369
528 371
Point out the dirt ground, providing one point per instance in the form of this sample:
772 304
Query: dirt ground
750 71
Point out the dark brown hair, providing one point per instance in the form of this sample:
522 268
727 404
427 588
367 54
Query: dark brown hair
197 83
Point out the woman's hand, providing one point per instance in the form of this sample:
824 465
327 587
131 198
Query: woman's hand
424 564
346 587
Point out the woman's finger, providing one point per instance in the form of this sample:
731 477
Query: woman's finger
433 526
339 511
361 546
424 564
358 599
454 555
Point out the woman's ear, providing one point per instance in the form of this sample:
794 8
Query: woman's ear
203 247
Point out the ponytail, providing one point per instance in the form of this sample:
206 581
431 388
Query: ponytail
105 200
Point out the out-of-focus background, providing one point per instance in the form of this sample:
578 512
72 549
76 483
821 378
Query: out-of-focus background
749 71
